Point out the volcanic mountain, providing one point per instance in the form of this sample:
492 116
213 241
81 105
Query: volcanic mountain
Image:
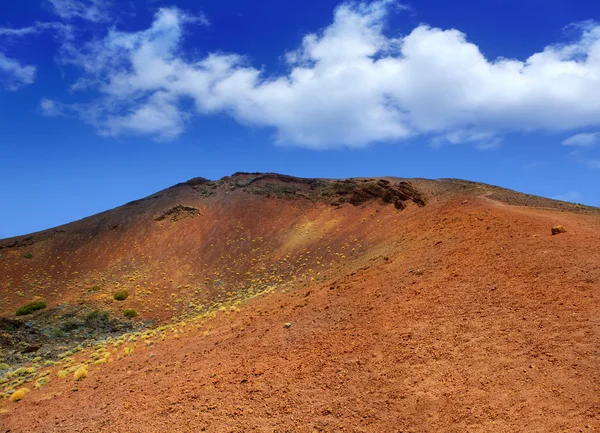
268 303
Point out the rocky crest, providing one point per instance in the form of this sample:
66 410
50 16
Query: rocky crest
334 192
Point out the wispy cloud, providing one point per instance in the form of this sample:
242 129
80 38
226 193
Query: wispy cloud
534 164
14 75
347 85
583 140
593 163
90 10
585 160
51 108
571 196
35 29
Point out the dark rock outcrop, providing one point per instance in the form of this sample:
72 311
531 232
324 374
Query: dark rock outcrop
179 212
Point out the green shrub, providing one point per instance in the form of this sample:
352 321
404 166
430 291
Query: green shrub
57 333
70 325
31 307
28 255
121 295
97 315
129 313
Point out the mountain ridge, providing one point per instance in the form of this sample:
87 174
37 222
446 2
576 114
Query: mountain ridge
265 303
432 187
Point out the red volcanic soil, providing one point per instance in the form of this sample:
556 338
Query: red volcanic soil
463 314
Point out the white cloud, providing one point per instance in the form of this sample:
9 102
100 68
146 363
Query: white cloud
51 108
158 116
585 160
347 85
481 140
37 28
534 164
20 32
572 196
90 10
14 75
592 163
582 140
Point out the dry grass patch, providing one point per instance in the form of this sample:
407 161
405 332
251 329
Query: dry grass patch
81 373
19 394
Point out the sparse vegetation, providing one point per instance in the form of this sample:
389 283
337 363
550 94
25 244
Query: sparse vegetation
97 315
28 255
121 295
130 313
57 333
81 373
43 380
19 394
31 308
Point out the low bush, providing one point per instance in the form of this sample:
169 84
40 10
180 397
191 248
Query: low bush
70 325
97 315
31 308
19 394
80 373
57 333
129 313
121 295
28 255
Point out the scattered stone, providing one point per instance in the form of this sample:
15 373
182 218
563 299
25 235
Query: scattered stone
558 229
287 325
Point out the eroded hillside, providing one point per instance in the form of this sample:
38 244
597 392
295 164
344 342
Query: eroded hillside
270 303
183 251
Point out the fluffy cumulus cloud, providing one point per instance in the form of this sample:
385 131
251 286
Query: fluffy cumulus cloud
348 85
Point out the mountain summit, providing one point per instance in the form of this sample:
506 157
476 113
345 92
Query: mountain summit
265 302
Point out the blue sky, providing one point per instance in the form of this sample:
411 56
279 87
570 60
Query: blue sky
102 103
